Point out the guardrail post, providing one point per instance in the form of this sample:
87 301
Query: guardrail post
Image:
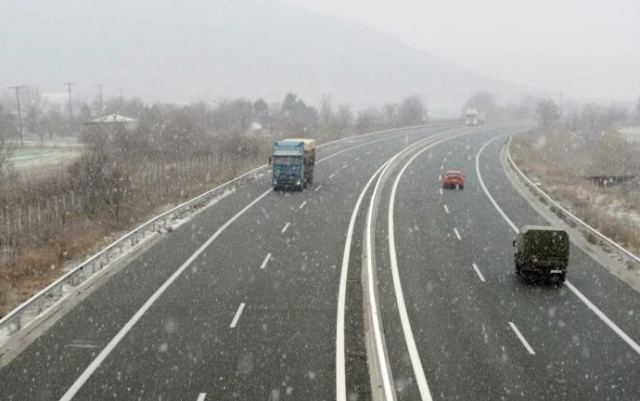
18 322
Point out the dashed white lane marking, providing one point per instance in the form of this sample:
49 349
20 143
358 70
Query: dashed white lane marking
265 261
449 154
439 178
285 227
475 267
317 188
345 165
95 364
302 204
446 209
444 160
624 336
442 167
332 175
202 396
455 230
236 317
440 191
521 338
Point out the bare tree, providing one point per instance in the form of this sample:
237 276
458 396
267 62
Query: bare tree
33 105
547 114
412 111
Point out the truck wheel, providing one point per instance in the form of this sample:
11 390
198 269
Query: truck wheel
461 187
558 279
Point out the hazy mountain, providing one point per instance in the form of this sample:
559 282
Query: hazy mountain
206 50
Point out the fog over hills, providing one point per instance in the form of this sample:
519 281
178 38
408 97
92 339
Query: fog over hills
192 50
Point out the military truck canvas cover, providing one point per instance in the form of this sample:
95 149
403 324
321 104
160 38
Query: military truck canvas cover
308 144
543 242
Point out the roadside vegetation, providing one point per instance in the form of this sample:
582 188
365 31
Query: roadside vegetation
130 172
581 159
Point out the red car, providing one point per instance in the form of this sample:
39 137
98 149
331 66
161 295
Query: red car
453 179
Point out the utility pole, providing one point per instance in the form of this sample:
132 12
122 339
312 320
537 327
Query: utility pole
68 85
17 89
100 86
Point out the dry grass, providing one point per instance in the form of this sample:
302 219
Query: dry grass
552 163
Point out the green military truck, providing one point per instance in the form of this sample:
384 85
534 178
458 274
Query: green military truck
542 252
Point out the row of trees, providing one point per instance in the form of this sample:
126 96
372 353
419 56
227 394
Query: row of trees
588 120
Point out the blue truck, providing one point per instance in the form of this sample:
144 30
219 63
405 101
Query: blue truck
292 162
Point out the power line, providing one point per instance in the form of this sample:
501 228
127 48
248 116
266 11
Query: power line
17 89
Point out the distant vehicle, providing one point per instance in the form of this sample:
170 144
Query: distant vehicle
474 117
292 163
542 252
453 179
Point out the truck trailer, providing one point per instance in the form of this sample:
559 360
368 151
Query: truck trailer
292 161
473 117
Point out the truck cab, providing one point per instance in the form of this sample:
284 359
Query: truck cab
542 252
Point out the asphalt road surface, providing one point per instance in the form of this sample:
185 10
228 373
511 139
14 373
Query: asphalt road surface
241 302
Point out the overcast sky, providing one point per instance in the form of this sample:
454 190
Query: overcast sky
584 48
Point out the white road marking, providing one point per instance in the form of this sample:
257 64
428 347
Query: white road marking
521 338
442 167
332 175
439 178
446 209
341 378
202 396
414 356
345 165
440 191
357 158
285 227
236 317
449 154
455 230
624 336
444 160
475 267
302 204
75 387
265 261
95 364
317 188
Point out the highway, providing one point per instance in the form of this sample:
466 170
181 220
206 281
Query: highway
245 301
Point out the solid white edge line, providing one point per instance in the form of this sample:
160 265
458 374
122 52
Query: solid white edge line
446 209
265 261
624 336
202 396
486 191
236 317
286 226
341 375
521 338
302 204
75 387
455 230
604 317
317 188
478 272
414 355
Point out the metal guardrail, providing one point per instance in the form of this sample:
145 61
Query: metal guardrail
35 305
576 219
